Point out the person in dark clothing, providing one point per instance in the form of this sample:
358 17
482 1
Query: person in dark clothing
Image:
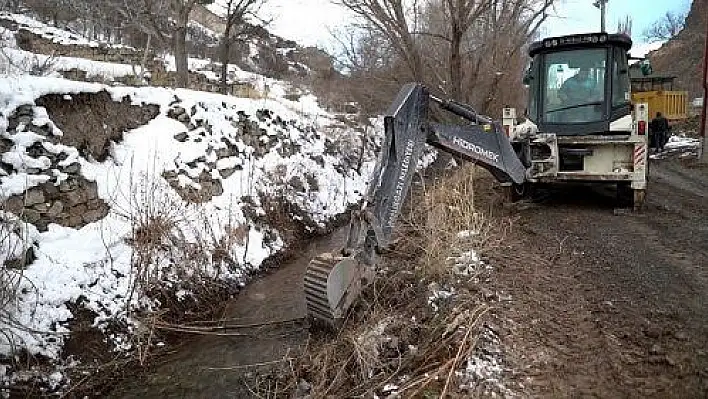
659 127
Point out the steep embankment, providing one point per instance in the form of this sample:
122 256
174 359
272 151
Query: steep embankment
121 202
682 56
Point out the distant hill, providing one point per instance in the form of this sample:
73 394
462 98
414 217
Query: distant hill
266 53
682 55
261 52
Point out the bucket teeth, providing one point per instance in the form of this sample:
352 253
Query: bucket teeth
330 284
318 305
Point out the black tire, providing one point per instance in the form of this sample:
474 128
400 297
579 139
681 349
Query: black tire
625 195
517 192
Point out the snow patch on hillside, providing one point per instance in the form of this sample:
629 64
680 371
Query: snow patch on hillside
21 62
56 35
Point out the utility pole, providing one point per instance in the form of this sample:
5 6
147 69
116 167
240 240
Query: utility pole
601 5
703 156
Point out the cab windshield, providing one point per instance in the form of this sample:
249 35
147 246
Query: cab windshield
574 89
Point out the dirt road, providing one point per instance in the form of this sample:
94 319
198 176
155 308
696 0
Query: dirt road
602 303
610 304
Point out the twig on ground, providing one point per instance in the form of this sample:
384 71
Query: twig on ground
252 365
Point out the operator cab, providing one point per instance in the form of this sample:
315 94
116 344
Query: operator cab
579 84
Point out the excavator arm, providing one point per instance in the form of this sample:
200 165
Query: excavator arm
334 281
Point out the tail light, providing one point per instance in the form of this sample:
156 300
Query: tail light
642 128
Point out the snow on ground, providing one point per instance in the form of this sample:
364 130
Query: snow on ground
95 261
681 145
485 370
21 62
15 61
7 38
678 142
56 35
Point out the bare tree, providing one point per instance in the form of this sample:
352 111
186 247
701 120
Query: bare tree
238 24
393 19
665 28
149 18
460 15
181 9
9 5
58 12
490 53
504 34
625 25
374 69
470 49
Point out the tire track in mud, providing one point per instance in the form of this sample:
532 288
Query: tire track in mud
618 306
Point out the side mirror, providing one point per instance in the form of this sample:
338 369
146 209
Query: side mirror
528 77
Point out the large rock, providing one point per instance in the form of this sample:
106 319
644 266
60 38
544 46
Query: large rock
56 209
33 196
75 206
682 55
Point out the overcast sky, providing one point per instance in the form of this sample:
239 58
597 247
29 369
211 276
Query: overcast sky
577 16
309 22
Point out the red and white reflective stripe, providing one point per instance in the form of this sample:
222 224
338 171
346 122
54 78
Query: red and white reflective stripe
639 152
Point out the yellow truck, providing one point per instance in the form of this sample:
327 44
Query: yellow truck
659 93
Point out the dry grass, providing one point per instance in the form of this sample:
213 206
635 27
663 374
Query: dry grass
394 337
397 342
179 255
16 244
444 223
9 277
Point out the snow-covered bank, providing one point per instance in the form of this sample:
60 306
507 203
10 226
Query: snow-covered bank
252 149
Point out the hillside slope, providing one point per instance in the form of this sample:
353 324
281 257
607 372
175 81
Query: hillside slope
682 56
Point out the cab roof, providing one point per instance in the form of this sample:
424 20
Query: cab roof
584 40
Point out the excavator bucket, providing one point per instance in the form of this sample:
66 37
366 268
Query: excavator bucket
332 283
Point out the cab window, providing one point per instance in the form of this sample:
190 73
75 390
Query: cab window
620 79
574 89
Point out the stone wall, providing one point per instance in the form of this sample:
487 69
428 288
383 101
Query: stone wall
81 124
29 41
65 197
73 203
201 15
250 140
200 82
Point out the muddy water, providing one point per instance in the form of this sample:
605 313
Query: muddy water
213 366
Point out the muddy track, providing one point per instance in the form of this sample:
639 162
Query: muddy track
611 304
